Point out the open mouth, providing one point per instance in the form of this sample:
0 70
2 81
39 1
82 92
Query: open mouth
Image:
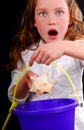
52 32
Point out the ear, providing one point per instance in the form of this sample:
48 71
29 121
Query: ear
70 21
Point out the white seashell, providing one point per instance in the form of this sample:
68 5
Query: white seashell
42 84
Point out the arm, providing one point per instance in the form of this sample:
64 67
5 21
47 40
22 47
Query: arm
23 86
47 53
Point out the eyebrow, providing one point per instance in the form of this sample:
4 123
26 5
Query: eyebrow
58 8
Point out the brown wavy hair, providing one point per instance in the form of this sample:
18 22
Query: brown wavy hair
28 34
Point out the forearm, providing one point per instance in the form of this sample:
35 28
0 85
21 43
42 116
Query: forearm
22 89
74 49
24 85
47 53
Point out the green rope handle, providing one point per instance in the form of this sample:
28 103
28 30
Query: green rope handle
14 103
69 78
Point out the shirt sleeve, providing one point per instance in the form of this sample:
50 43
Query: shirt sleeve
14 76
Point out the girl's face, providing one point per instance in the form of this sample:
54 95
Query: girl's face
51 19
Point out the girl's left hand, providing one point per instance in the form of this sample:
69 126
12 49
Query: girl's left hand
46 53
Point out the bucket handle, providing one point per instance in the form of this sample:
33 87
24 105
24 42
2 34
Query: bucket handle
70 80
61 68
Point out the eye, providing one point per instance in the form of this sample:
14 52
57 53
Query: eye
43 14
59 13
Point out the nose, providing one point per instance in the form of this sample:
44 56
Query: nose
52 22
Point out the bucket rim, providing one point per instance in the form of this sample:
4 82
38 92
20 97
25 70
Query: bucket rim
68 107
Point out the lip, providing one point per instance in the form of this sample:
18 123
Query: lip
52 37
52 34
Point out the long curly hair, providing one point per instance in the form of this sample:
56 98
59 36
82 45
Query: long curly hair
28 34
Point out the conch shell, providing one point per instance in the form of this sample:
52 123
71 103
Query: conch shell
42 84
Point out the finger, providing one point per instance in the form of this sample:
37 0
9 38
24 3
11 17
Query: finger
49 61
28 78
40 57
44 59
29 74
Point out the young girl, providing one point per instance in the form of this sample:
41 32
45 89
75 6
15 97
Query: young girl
50 30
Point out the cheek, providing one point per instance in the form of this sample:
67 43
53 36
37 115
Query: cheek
38 22
40 26
64 24
41 30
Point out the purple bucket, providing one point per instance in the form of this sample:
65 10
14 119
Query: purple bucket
50 114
